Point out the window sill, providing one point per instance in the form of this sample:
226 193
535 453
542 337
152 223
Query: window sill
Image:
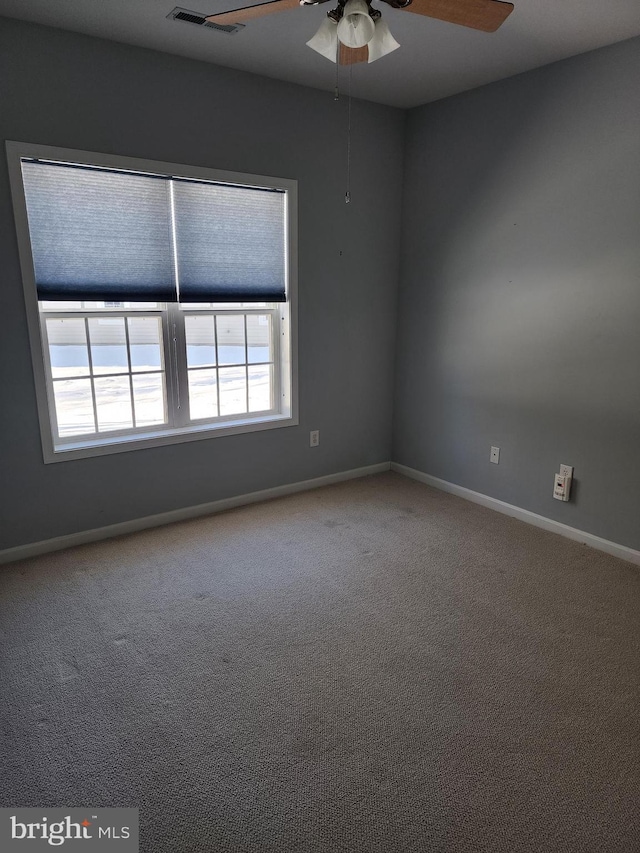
159 438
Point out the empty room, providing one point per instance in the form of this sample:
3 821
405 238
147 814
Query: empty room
320 432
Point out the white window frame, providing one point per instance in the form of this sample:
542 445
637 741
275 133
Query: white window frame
285 348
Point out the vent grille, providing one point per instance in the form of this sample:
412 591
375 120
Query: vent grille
189 17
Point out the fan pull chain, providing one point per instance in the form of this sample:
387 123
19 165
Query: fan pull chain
347 196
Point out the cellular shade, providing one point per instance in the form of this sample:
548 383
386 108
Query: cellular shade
230 243
99 235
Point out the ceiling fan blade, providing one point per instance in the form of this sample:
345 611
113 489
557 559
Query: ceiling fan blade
352 55
249 13
485 15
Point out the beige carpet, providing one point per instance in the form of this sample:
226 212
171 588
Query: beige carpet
373 666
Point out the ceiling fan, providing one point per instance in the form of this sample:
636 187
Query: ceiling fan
355 32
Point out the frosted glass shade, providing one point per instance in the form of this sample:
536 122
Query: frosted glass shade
356 27
382 42
325 41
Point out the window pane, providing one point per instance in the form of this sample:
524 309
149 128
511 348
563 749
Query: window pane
113 402
221 306
135 306
233 390
201 342
259 388
259 337
45 305
68 347
145 336
203 396
74 407
231 339
108 345
149 399
92 305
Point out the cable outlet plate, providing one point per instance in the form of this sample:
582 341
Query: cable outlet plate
495 455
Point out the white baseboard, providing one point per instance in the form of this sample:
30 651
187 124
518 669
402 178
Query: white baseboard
533 518
33 549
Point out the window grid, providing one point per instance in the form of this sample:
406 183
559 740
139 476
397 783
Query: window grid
178 339
70 434
271 317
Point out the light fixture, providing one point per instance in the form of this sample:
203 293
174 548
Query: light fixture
382 42
356 28
354 24
325 41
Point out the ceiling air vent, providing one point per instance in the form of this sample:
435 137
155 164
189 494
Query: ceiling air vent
179 14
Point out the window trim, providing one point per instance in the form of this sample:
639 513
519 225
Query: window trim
16 151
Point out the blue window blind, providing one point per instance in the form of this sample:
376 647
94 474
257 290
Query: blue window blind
105 235
99 234
230 243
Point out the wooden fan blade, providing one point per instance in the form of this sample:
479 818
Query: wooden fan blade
351 55
250 13
485 15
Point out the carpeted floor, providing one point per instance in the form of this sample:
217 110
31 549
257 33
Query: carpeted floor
373 666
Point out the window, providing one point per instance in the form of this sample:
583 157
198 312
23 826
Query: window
161 299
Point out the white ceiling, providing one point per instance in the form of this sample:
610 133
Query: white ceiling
436 59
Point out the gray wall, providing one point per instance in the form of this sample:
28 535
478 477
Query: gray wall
519 315
519 296
59 88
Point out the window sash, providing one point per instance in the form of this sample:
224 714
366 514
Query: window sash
174 369
274 348
97 435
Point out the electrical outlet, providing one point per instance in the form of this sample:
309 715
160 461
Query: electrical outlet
566 471
314 438
495 455
561 487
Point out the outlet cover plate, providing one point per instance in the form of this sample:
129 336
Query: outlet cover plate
566 471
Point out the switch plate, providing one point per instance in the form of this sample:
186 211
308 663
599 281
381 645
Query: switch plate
314 438
495 455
